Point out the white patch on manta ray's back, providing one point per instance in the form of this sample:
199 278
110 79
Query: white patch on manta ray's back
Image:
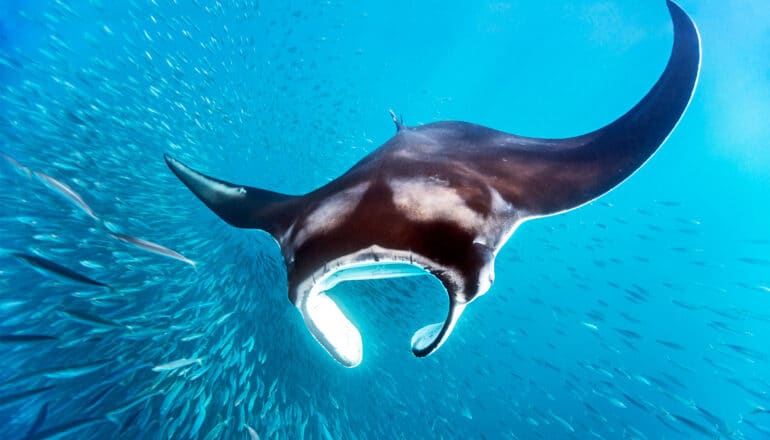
501 217
325 320
427 200
331 213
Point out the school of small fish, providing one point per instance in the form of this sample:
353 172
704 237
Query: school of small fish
596 328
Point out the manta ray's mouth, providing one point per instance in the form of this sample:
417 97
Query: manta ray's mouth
336 333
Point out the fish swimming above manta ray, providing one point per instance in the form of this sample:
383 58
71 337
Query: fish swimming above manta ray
444 198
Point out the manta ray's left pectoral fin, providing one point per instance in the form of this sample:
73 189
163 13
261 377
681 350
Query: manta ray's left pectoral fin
239 205
429 338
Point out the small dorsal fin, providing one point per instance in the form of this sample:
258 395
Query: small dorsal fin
396 120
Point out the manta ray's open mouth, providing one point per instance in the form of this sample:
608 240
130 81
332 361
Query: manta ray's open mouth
337 334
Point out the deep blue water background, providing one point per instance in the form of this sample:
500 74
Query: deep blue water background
287 96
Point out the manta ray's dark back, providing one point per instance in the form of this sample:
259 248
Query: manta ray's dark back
547 176
444 198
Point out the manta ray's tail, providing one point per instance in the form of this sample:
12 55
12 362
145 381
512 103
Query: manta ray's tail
239 205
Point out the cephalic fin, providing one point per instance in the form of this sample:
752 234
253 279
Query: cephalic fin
429 338
332 329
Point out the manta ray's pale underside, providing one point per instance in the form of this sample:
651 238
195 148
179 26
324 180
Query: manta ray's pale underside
444 198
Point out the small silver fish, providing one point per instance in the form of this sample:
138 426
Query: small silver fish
24 171
562 421
152 247
25 338
179 363
13 398
73 371
192 337
39 420
113 415
65 430
89 319
48 267
65 191
252 433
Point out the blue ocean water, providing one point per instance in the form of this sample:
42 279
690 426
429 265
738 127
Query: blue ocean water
642 315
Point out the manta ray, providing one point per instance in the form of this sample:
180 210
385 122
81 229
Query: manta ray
443 198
